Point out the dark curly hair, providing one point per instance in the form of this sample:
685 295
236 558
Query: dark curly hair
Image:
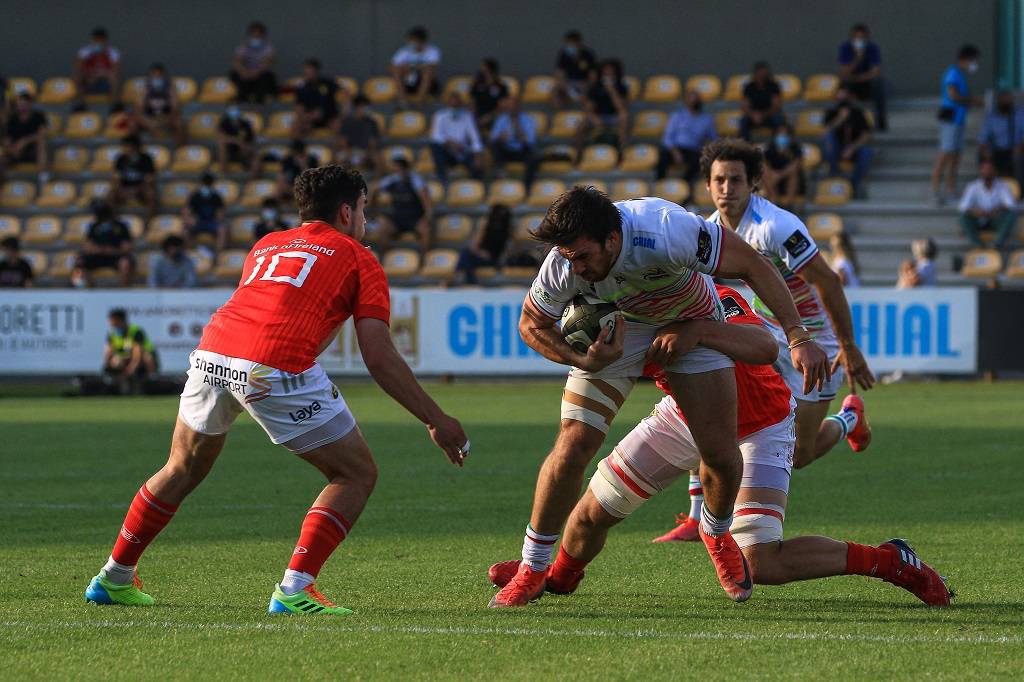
580 212
732 149
320 192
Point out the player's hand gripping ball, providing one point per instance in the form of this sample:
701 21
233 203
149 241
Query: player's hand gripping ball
584 319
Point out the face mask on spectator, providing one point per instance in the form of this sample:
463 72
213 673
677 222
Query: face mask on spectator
233 112
972 67
268 214
782 141
157 82
571 50
255 42
206 191
859 44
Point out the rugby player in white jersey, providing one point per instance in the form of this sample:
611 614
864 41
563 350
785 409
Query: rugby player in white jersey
645 256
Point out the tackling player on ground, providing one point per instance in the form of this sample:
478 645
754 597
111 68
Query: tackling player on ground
258 354
661 448
646 256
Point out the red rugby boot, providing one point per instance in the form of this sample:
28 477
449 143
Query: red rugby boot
686 530
526 585
730 564
915 576
860 438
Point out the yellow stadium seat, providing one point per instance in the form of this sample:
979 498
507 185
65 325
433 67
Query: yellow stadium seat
10 226
203 260
401 262
136 226
190 158
538 89
465 193
163 226
61 264
133 88
1015 264
280 125
565 123
256 191
982 263
821 87
83 124
596 183
70 159
823 226
230 263
708 85
399 151
540 122
509 192
17 194
598 158
728 122
241 228
790 85
639 157
734 87
255 119
453 228
161 156
75 228
810 123
524 225
20 84
405 124
203 125
103 158
36 261
175 194
811 156
424 162
92 190
347 87
649 123
438 263
56 194
1014 186
217 90
663 88
185 88
512 83
833 192
117 125
228 190
459 84
57 90
630 188
436 192
632 84
42 229
558 158
322 152
54 123
380 89
543 192
702 196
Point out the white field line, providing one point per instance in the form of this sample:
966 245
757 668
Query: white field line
517 632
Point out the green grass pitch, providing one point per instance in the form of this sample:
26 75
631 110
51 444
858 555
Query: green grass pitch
944 471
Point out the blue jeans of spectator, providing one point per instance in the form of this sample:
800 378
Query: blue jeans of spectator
444 158
773 121
833 152
469 261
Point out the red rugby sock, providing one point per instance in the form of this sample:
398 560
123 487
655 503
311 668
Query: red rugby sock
867 560
323 529
146 517
566 568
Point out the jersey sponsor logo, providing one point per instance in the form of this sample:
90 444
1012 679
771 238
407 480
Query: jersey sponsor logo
259 384
292 382
619 280
797 243
306 412
644 242
655 273
731 307
543 295
297 243
704 246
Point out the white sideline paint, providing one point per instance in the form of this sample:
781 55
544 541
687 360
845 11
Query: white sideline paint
523 632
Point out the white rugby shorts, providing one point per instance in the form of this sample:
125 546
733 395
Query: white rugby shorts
794 378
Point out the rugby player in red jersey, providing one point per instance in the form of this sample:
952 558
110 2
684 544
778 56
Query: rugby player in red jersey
258 354
661 448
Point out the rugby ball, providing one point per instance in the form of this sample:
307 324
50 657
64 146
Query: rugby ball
584 319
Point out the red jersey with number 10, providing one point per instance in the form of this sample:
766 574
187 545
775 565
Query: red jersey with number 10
298 286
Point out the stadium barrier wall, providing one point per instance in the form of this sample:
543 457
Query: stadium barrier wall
462 332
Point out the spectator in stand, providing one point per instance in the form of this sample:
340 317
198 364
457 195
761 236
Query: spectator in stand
843 259
359 139
487 91
270 219
454 139
129 356
134 177
316 104
25 136
1001 133
784 182
514 138
860 70
203 214
157 110
414 68
488 245
956 98
919 272
607 107
108 244
411 209
15 271
689 129
97 69
762 101
574 68
252 68
236 140
847 137
987 204
292 166
173 268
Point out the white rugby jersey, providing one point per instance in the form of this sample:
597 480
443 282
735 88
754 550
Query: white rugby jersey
657 277
784 240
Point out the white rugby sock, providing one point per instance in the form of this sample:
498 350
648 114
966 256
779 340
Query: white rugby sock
295 581
696 496
712 525
537 549
117 573
847 421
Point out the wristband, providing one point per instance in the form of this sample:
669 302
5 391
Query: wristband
799 343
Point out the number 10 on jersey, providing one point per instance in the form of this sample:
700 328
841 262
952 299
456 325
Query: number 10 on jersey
268 274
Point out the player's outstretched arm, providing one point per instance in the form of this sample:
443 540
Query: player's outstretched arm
749 343
388 369
540 333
